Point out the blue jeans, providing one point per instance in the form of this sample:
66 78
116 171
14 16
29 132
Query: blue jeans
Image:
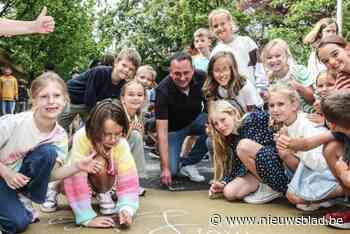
37 165
8 107
176 139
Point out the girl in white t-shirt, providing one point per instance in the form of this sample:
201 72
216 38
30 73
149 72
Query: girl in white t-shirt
225 82
312 181
33 150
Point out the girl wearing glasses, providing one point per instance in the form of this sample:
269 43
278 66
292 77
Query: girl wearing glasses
104 137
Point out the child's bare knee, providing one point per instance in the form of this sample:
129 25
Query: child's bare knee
243 147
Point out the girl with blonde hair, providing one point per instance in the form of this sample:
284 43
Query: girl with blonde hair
280 66
311 180
245 155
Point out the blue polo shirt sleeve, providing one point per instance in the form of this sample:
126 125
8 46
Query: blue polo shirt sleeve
161 105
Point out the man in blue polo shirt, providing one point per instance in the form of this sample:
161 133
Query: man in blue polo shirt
179 113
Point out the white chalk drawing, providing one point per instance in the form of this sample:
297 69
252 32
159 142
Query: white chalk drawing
167 217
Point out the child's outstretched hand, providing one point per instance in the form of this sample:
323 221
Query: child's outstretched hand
15 180
44 23
90 165
125 219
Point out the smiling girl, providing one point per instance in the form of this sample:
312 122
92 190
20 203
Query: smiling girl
33 149
280 66
225 82
334 52
311 180
323 28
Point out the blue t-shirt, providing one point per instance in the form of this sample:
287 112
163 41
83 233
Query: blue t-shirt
200 63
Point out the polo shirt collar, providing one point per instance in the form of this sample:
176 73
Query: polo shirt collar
175 89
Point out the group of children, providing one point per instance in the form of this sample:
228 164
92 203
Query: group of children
296 146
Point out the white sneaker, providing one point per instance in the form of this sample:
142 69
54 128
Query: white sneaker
51 201
315 206
263 195
106 203
28 205
192 173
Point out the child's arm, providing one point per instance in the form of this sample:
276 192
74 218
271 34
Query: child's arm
42 24
14 180
87 165
304 144
343 171
305 92
127 184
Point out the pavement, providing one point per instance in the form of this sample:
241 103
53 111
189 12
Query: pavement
191 212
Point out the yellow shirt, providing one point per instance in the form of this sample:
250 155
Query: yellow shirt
9 88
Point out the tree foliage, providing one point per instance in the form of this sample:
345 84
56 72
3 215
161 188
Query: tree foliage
157 27
70 45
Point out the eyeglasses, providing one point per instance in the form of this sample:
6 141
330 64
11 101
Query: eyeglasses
111 136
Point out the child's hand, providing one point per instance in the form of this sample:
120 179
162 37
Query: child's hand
125 219
283 142
90 165
264 94
295 84
101 222
44 23
282 139
316 118
15 180
209 129
317 106
136 125
217 187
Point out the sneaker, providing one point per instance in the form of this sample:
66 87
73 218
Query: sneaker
315 206
106 203
51 201
263 195
142 191
28 205
153 155
334 217
192 173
